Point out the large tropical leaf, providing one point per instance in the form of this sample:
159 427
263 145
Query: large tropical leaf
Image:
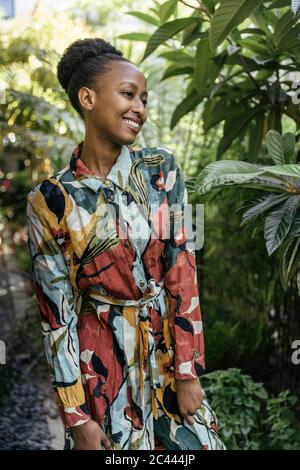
278 223
295 227
214 112
290 260
265 203
256 135
179 57
229 14
275 147
188 104
167 9
175 69
256 45
165 32
231 172
279 4
283 27
135 36
290 40
203 66
210 5
292 170
259 17
144 17
234 125
225 172
193 32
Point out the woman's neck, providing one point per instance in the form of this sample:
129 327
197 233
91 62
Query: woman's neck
99 156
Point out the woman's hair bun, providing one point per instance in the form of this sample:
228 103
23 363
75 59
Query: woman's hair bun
78 52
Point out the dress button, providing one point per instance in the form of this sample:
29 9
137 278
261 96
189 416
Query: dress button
107 182
126 244
195 354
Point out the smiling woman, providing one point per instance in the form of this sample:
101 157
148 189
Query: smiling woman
111 264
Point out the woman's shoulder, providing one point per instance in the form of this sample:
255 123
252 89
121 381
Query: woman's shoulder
48 187
163 156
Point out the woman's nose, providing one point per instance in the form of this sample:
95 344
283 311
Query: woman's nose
139 107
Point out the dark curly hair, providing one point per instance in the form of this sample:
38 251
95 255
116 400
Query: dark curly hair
81 62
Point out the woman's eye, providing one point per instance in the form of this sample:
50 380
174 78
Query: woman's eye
131 93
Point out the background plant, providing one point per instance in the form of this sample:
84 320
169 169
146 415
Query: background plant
248 417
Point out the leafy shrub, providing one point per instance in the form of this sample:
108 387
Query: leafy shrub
248 417
281 422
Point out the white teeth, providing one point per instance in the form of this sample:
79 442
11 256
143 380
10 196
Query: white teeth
132 123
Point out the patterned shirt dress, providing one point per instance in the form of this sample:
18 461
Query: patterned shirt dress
116 286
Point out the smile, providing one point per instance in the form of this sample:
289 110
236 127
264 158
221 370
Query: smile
132 124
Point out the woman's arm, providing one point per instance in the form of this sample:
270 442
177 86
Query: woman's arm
55 301
181 283
185 319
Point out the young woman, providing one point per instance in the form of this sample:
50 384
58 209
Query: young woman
115 278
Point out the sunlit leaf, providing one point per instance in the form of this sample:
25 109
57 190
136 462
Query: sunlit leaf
144 17
229 14
165 32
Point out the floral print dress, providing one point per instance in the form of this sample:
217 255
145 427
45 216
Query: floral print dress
116 286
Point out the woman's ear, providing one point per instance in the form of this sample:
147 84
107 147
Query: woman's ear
87 98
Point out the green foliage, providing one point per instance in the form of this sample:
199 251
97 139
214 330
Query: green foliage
227 98
167 31
37 125
281 422
241 53
280 212
229 14
248 417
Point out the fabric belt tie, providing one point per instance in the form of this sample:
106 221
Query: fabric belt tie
146 339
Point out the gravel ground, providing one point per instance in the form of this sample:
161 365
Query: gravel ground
25 415
29 418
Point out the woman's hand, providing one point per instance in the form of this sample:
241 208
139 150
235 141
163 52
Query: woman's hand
189 397
89 436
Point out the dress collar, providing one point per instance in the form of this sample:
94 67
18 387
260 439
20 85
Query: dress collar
118 174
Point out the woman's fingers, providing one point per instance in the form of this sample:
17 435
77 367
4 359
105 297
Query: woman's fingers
106 443
189 419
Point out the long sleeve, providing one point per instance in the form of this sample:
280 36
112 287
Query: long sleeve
185 318
56 306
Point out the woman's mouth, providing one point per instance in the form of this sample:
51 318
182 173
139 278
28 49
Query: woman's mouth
132 125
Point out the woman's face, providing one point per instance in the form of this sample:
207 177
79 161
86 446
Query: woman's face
116 108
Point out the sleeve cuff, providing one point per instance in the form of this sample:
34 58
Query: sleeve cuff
191 369
72 404
75 416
